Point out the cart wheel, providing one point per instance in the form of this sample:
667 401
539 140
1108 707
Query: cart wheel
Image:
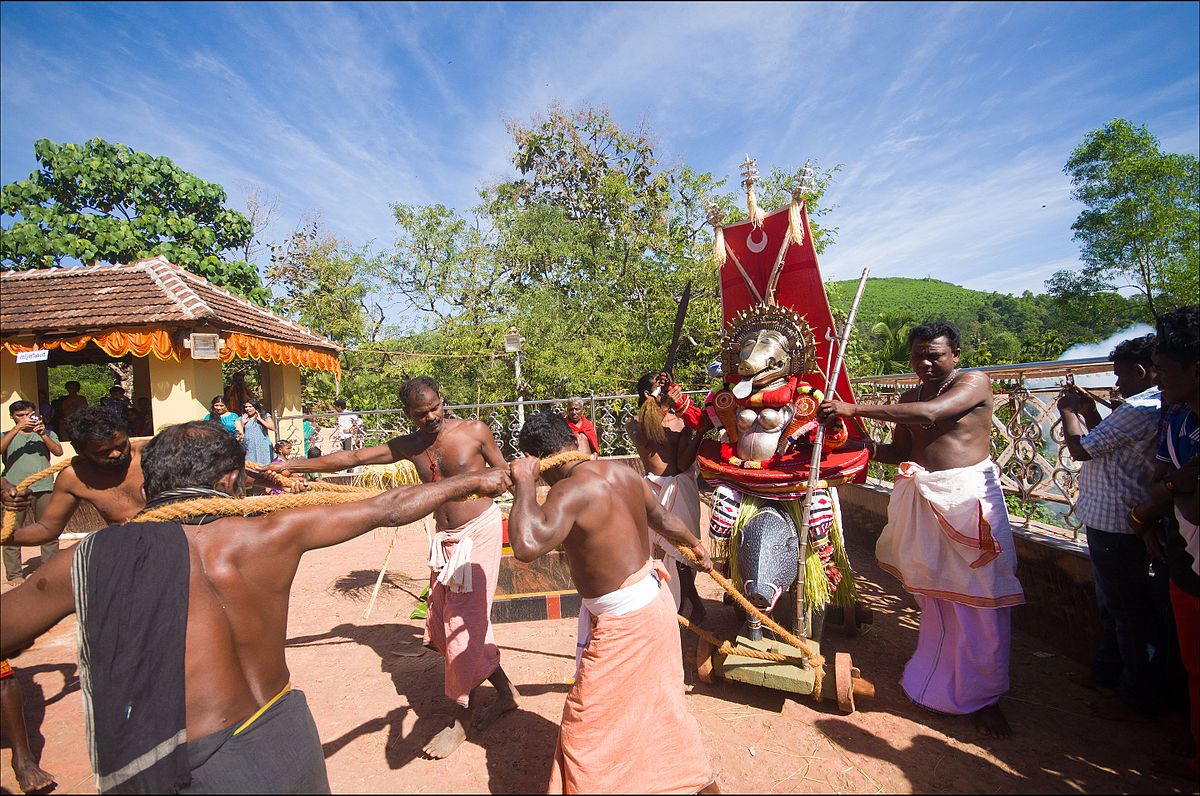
704 661
843 681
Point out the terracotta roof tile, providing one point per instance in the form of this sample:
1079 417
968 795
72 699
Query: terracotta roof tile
149 292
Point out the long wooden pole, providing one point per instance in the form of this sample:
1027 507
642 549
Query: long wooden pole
814 464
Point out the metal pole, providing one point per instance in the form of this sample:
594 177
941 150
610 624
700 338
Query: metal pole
520 401
814 464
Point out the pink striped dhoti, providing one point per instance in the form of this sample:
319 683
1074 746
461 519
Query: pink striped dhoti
459 623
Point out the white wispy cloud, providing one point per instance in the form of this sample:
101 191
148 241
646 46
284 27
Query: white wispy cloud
953 122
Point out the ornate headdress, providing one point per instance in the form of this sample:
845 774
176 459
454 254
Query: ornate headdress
801 344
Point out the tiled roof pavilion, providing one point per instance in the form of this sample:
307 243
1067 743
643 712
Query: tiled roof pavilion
67 302
153 310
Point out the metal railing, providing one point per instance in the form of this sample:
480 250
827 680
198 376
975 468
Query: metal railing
609 413
1027 436
1028 446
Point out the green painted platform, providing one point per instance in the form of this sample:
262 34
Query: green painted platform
779 676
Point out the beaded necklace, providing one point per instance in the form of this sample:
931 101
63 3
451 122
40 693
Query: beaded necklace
945 385
432 463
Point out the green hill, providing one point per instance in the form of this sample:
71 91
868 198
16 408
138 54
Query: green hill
996 327
922 299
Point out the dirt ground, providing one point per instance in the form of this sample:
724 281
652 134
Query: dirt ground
377 697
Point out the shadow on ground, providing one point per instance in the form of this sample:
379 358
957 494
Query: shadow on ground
519 746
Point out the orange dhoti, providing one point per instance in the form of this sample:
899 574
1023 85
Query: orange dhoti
465 563
625 728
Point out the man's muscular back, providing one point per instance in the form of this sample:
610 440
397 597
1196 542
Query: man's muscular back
609 541
658 459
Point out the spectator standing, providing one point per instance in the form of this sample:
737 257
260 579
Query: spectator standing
237 394
69 404
27 448
220 412
582 428
347 423
141 424
1116 456
256 427
309 428
283 452
116 402
1177 491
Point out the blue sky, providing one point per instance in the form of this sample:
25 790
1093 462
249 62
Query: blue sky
952 121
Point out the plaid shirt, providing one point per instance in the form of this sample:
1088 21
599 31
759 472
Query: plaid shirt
1123 447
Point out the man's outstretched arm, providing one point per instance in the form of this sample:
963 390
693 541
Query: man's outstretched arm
341 460
314 527
971 390
36 605
535 530
57 514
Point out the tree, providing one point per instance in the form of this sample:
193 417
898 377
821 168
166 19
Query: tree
261 209
327 285
102 202
331 286
888 350
1140 228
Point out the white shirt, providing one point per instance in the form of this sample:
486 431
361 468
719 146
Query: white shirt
346 422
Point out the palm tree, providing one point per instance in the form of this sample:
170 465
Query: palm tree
889 343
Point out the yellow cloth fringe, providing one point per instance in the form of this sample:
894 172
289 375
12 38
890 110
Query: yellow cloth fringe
795 222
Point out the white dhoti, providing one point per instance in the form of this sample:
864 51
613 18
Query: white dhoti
680 495
949 542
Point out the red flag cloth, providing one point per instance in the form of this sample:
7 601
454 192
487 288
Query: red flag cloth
800 286
586 428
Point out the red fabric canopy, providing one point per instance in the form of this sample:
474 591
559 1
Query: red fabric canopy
799 287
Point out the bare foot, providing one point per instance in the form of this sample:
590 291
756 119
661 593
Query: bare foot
445 742
990 722
30 777
505 701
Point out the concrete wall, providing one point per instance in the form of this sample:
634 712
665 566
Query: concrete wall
281 388
180 391
17 383
1060 607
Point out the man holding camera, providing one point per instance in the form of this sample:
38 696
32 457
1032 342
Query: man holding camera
26 448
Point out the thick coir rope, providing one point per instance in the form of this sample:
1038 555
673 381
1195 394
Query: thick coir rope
284 483
725 648
10 517
817 662
333 494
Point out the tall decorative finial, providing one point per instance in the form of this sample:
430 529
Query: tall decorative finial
808 178
749 177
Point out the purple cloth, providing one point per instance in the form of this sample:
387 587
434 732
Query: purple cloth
961 662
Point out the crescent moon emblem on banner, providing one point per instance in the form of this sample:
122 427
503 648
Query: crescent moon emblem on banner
756 247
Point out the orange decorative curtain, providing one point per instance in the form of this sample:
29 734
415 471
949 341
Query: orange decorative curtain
143 342
114 342
247 347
